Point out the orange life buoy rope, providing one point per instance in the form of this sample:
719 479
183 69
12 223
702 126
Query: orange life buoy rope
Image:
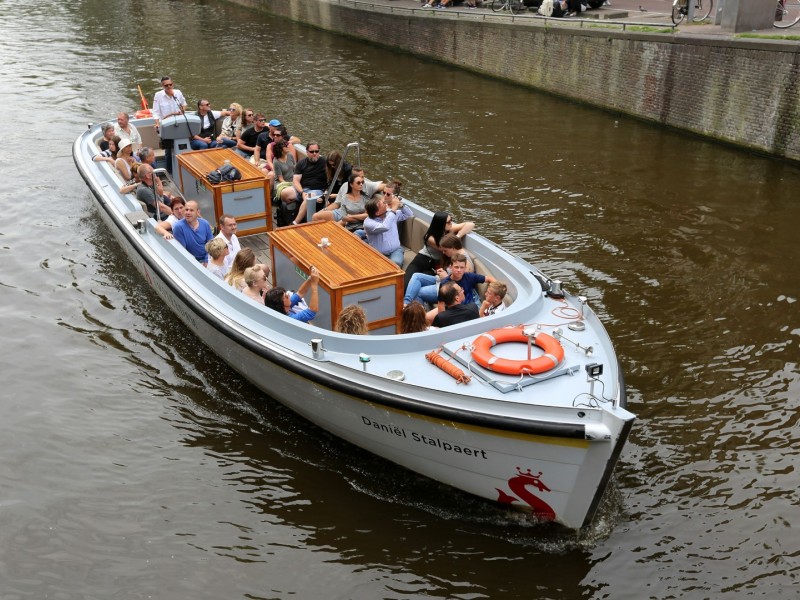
445 365
483 344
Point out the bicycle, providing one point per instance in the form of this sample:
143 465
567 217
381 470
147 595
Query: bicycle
702 9
515 7
787 14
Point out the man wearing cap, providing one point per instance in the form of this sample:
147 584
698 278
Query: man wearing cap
265 139
126 131
167 103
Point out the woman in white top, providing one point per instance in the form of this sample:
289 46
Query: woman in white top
124 158
257 285
231 127
217 251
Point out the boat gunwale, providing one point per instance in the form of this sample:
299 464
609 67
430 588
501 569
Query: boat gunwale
287 359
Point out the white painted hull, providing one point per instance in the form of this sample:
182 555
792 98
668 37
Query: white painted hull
549 457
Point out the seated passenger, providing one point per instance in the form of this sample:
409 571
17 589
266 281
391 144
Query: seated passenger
309 179
458 273
413 319
125 158
147 192
331 165
231 127
108 135
227 233
217 251
108 155
451 245
431 254
278 134
282 166
177 207
193 232
256 284
126 131
381 226
280 300
452 297
352 320
134 183
147 156
245 258
493 303
370 187
206 138
349 212
249 136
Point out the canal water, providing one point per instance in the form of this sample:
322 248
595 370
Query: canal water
133 464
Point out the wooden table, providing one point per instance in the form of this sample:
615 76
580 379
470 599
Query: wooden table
247 199
351 272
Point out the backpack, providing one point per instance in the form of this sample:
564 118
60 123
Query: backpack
286 212
224 173
546 8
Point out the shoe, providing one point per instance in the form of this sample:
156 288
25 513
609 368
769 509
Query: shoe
428 5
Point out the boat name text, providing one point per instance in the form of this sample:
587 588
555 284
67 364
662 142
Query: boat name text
424 439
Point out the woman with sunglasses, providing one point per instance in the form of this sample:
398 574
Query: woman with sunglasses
278 135
351 211
231 127
431 254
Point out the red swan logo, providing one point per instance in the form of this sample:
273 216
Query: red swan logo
518 485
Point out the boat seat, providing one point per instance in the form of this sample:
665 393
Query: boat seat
481 269
152 139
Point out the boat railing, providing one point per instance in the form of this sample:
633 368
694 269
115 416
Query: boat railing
347 149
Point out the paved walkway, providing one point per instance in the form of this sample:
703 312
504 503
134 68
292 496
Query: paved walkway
655 13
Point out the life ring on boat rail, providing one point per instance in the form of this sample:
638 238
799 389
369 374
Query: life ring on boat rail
144 113
483 344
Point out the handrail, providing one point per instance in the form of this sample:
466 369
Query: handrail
355 145
493 16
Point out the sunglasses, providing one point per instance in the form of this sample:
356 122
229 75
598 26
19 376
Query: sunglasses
169 85
313 151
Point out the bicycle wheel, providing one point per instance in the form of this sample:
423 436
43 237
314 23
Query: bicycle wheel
787 14
517 6
702 8
678 12
498 5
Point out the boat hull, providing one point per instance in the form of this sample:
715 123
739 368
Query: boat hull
550 468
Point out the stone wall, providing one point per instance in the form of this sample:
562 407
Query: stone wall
743 92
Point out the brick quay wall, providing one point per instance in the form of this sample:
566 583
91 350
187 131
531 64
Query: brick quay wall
739 91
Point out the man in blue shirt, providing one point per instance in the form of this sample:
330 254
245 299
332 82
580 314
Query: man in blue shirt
193 231
383 215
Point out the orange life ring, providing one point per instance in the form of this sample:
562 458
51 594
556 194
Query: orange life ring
143 113
483 344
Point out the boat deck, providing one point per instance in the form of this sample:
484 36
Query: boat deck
259 244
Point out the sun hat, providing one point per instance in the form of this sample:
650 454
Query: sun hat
123 144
